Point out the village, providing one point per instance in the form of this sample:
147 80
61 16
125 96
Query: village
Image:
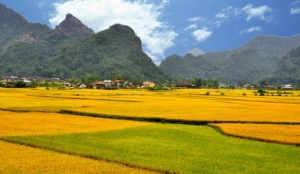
10 81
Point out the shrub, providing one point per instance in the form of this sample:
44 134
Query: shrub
157 88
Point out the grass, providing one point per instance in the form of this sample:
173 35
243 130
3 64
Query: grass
27 160
285 134
174 148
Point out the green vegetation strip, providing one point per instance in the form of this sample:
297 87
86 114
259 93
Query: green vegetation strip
173 148
170 120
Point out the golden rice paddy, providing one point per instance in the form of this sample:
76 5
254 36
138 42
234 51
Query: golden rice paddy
22 159
187 104
34 123
286 134
35 113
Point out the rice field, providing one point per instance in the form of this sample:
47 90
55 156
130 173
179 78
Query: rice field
32 117
27 160
173 148
186 104
285 134
35 123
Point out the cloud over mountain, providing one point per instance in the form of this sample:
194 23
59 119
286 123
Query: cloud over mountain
142 16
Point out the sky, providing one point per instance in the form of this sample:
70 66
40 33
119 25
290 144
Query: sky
168 27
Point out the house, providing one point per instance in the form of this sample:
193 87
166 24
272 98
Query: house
81 85
108 83
271 87
27 82
99 85
287 87
148 84
117 83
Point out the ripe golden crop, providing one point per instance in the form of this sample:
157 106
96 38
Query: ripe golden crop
35 123
286 134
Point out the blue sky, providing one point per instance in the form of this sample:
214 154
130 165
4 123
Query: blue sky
169 27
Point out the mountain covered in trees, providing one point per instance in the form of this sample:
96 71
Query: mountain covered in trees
251 62
74 50
288 70
71 50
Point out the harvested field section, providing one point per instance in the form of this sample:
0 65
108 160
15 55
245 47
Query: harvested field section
22 159
286 134
34 123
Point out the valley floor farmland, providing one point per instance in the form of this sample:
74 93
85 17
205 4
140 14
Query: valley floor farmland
31 117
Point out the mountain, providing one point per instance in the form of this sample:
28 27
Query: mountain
288 70
71 50
196 52
13 24
72 26
251 62
29 48
116 50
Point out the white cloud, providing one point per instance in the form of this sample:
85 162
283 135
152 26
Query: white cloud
192 26
295 10
294 3
195 19
258 12
202 34
141 16
227 12
252 29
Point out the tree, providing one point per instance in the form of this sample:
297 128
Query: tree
19 84
198 82
263 84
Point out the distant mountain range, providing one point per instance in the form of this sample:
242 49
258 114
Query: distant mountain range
74 50
71 50
251 62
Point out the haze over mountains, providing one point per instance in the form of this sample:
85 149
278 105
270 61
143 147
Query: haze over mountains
74 50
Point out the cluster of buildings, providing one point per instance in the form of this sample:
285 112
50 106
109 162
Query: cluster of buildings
105 84
109 84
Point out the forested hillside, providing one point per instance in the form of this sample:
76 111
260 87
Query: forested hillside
251 62
288 71
71 50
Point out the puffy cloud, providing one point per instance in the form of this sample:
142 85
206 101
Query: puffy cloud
141 16
202 34
250 30
258 12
